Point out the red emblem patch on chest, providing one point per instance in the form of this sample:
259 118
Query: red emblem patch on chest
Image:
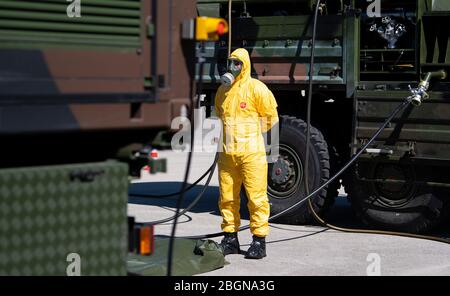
243 105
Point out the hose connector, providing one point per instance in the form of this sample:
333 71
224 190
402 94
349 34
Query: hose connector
420 93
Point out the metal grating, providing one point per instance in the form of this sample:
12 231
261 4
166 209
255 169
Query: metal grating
45 23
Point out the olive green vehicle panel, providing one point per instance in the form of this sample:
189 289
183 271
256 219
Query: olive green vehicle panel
350 72
123 59
280 47
109 25
43 51
50 212
417 132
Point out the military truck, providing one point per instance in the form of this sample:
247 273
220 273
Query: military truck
367 54
81 87
84 88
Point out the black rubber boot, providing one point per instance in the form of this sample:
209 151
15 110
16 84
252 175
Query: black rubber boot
230 243
257 248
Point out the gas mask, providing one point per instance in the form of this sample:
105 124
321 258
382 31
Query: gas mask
234 67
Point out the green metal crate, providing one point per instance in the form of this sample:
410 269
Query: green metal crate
64 220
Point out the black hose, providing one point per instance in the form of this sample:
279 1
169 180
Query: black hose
174 193
438 74
352 160
310 90
194 202
188 166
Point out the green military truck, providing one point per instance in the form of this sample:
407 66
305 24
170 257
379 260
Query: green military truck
83 84
98 79
367 54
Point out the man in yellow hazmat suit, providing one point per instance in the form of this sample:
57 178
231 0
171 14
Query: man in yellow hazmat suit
247 108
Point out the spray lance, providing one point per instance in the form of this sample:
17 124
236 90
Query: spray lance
420 92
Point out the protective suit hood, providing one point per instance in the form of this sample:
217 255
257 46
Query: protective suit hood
242 55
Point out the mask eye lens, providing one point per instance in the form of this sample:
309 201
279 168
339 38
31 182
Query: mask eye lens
237 64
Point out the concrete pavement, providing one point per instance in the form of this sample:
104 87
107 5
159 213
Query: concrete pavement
291 249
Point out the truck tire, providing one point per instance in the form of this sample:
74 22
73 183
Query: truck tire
404 207
285 176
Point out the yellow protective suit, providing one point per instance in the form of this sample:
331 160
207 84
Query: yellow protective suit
247 108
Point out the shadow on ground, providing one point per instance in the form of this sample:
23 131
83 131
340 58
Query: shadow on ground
340 214
207 204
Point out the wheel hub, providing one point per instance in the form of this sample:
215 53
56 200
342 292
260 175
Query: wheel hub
281 171
285 174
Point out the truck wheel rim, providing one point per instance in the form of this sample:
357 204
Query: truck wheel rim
393 194
285 174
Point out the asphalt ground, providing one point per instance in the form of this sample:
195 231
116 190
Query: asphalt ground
292 250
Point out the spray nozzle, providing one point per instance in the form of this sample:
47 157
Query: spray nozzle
420 93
